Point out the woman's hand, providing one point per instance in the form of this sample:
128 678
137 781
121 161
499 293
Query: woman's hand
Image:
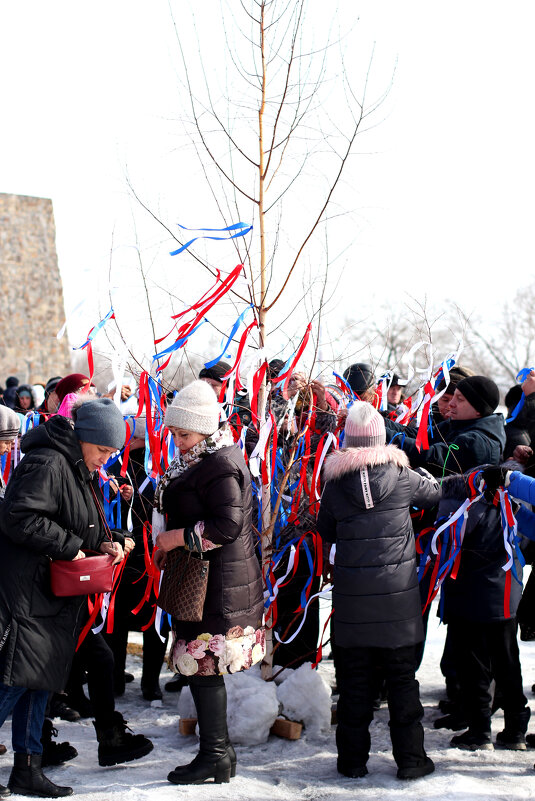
528 386
159 559
126 492
167 540
114 549
129 545
79 555
341 417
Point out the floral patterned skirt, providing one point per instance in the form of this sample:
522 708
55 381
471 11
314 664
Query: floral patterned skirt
215 655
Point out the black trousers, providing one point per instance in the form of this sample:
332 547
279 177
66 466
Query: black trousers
304 647
357 670
96 658
486 651
128 596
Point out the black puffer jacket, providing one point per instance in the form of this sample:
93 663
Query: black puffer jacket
217 490
477 593
479 441
48 513
365 510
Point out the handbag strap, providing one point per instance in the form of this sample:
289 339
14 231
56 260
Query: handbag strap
101 513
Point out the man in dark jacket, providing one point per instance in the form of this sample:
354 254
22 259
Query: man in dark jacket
365 510
480 608
472 435
48 513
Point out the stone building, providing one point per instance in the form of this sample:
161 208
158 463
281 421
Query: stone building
31 308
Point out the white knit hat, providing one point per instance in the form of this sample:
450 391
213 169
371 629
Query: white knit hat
364 428
194 408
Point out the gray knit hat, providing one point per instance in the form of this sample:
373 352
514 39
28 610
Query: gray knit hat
9 423
194 408
101 423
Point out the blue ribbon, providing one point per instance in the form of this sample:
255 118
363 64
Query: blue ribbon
229 338
179 342
241 228
94 331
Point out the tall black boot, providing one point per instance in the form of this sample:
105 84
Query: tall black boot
213 760
27 778
54 753
116 745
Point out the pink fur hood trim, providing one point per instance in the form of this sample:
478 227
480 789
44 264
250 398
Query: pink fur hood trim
350 460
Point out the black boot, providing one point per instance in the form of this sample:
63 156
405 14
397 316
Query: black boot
27 778
4 791
116 745
214 758
54 753
232 755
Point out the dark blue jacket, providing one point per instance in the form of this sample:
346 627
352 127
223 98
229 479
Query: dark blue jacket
479 441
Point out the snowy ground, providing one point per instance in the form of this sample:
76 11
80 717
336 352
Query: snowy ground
301 770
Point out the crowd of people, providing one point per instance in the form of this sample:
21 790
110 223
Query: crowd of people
392 501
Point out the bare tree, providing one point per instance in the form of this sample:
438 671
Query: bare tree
275 140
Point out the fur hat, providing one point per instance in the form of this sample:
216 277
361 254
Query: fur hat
194 408
360 377
481 392
364 428
9 423
70 383
100 422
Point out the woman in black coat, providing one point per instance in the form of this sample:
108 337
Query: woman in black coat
206 495
365 511
48 513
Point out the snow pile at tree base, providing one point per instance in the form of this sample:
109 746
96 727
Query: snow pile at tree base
306 698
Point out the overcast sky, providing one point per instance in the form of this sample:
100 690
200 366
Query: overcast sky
440 196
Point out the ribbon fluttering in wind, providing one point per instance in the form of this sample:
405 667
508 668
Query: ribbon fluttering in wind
87 344
240 229
198 309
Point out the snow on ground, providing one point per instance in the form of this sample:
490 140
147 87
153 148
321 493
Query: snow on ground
302 770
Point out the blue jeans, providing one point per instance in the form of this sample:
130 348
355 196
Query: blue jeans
28 708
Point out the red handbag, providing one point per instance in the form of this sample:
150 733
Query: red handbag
88 576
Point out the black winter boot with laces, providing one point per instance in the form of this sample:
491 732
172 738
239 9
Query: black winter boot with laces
116 744
54 753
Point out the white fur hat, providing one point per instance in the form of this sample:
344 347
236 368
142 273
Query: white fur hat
194 408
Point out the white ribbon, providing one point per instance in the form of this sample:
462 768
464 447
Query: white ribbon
331 439
258 453
325 591
280 581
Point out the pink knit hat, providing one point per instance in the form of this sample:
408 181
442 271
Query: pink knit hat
365 428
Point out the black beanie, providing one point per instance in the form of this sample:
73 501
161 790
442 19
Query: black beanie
360 377
216 372
481 392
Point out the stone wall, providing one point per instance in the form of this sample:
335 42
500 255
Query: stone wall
31 308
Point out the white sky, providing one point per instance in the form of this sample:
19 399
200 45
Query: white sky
440 197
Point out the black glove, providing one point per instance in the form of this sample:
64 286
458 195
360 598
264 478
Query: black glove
494 477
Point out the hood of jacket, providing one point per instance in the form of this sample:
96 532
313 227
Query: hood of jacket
370 475
351 460
57 434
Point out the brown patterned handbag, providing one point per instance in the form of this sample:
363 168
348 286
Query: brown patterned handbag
184 583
